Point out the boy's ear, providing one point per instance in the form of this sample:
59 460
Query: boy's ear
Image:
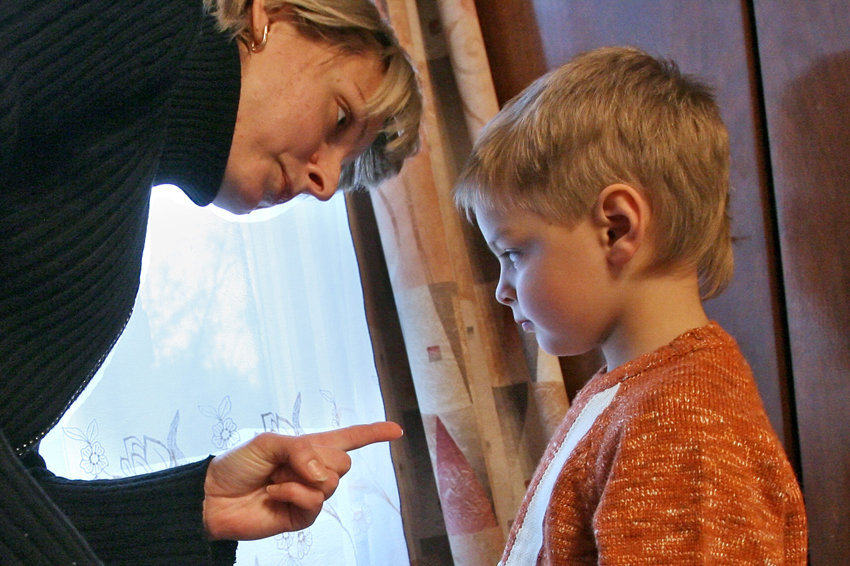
622 214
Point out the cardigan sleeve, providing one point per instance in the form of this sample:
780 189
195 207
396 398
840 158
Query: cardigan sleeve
694 477
33 531
150 519
146 520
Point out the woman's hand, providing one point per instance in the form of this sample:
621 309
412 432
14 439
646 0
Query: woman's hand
275 483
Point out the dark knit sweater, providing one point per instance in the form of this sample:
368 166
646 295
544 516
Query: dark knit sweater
99 100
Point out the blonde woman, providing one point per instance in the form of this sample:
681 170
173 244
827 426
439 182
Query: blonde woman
244 105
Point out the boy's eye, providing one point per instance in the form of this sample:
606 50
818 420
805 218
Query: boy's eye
510 256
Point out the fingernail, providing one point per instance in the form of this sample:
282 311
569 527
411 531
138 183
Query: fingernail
317 470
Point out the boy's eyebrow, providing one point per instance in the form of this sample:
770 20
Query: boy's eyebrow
496 237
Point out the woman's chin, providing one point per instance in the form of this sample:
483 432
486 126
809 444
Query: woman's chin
236 202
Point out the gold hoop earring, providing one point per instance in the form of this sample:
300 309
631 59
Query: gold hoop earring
257 47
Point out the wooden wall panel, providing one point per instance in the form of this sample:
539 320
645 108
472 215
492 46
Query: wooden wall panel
708 38
512 40
804 52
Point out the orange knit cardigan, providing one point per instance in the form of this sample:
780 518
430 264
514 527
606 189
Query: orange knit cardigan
680 467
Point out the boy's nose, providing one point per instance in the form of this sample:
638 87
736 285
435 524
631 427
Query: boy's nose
505 293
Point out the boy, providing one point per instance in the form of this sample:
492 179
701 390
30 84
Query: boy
603 190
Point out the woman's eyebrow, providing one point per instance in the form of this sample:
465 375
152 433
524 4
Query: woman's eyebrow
365 120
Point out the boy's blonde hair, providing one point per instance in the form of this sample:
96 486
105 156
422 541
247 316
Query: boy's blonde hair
614 115
352 26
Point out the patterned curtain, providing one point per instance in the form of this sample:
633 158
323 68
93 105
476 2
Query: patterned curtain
489 400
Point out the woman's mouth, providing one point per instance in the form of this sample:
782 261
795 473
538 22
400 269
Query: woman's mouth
278 193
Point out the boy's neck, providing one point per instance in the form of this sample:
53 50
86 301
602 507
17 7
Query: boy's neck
656 310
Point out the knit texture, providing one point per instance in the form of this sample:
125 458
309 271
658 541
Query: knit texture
99 99
682 467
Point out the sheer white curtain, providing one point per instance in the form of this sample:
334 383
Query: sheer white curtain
243 325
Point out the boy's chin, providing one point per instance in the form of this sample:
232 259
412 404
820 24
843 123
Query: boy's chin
555 348
551 348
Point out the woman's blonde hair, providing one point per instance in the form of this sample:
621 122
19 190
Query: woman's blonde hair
614 115
353 26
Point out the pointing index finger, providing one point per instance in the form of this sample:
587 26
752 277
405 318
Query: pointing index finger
357 436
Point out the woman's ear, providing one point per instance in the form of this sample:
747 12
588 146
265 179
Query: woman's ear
622 214
258 32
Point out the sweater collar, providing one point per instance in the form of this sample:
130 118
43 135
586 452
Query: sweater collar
202 115
711 335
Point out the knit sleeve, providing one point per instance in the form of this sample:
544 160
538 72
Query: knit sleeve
83 66
33 532
695 477
150 519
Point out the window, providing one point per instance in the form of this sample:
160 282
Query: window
243 325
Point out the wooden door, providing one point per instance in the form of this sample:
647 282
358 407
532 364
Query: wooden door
804 57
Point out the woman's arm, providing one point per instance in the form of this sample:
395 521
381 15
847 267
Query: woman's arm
33 531
153 518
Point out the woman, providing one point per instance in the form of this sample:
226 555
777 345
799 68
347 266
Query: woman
247 106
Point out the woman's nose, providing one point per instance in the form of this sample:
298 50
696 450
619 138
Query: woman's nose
322 174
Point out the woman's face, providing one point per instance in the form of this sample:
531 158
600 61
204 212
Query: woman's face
300 120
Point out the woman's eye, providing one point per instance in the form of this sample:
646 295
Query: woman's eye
341 117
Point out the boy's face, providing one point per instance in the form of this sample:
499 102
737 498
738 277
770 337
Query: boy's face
554 278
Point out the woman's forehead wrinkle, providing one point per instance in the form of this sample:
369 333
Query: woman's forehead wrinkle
362 135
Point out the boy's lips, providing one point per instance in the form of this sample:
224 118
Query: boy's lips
527 325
